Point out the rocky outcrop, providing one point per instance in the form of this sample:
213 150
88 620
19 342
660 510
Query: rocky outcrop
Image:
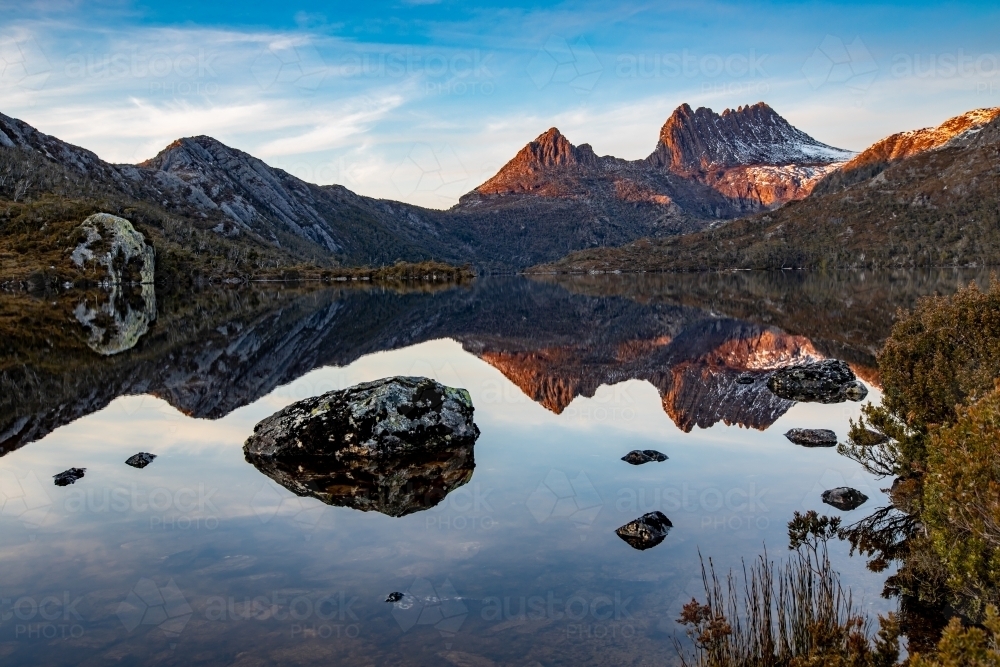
374 420
526 171
844 498
693 141
639 456
812 437
114 251
392 486
828 381
645 532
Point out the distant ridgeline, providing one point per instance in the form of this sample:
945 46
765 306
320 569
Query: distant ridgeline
929 197
217 213
212 212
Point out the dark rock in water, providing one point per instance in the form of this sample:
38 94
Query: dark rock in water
639 456
828 381
393 486
844 498
395 446
381 419
647 531
812 437
140 460
394 597
745 378
68 477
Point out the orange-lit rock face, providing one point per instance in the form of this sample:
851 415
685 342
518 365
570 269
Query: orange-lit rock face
537 375
905 144
695 375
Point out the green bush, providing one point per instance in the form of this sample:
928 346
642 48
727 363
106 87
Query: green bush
962 499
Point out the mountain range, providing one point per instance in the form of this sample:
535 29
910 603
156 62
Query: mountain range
552 198
928 197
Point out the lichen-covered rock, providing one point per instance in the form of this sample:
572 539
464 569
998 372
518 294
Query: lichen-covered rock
381 419
117 252
639 456
812 437
844 498
827 381
647 531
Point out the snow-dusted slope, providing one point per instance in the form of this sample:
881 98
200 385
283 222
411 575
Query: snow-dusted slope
698 140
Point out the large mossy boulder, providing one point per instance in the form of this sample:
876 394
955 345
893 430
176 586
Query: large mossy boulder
380 419
112 248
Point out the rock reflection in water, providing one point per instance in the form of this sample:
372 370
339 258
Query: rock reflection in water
116 324
395 487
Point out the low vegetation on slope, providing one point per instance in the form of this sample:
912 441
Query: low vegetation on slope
940 207
941 411
43 203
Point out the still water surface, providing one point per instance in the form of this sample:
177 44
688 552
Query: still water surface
200 558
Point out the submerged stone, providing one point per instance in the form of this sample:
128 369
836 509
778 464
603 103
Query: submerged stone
140 460
844 498
827 381
67 477
647 531
812 437
639 456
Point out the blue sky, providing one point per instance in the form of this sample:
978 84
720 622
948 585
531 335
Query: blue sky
422 101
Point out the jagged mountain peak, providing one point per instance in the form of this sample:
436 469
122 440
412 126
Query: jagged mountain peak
694 141
549 150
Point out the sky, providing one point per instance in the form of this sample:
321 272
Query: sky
423 100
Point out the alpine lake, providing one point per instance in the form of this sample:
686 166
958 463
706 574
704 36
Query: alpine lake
503 555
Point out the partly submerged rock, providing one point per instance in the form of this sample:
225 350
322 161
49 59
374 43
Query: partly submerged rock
67 477
117 252
381 419
812 437
140 460
844 498
647 531
827 381
639 456
396 445
395 596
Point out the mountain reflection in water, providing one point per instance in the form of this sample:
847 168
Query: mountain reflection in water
556 337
